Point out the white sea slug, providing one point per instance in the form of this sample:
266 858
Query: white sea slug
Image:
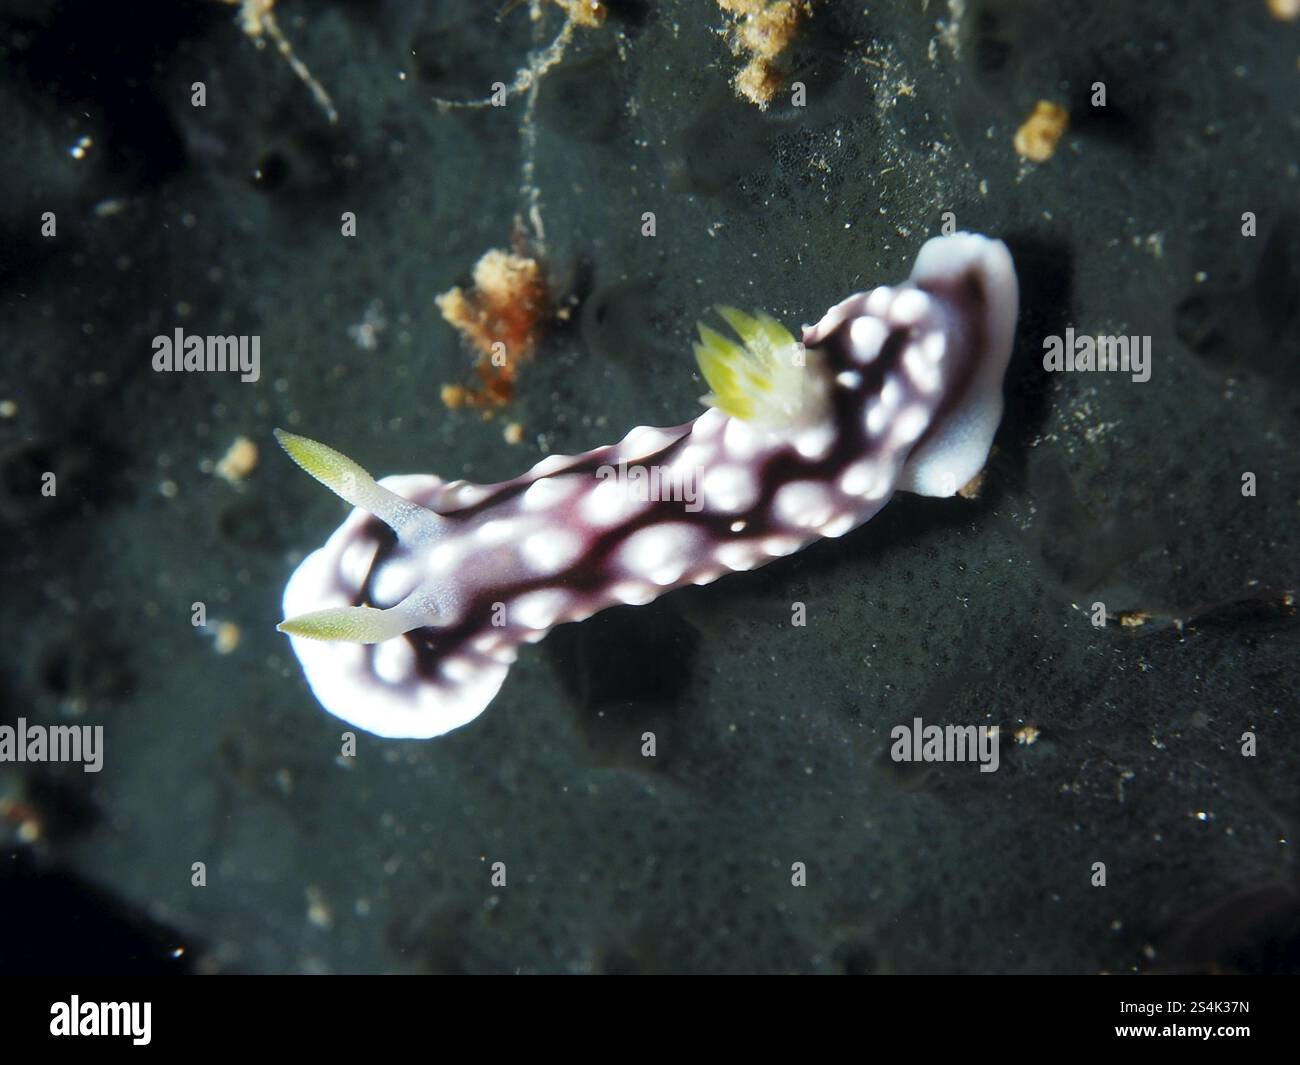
407 625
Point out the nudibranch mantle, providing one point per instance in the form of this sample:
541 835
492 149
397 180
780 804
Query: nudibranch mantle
407 620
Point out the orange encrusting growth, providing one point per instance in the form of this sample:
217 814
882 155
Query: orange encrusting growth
498 318
763 29
583 12
1038 136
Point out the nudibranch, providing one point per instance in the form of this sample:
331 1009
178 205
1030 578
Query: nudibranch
407 620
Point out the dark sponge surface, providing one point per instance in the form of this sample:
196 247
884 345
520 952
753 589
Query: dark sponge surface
772 739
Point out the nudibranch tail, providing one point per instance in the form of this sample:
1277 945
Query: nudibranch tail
976 279
896 388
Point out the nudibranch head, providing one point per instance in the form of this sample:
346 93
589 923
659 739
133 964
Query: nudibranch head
407 620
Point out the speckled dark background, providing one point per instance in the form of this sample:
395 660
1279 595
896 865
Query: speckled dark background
773 740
